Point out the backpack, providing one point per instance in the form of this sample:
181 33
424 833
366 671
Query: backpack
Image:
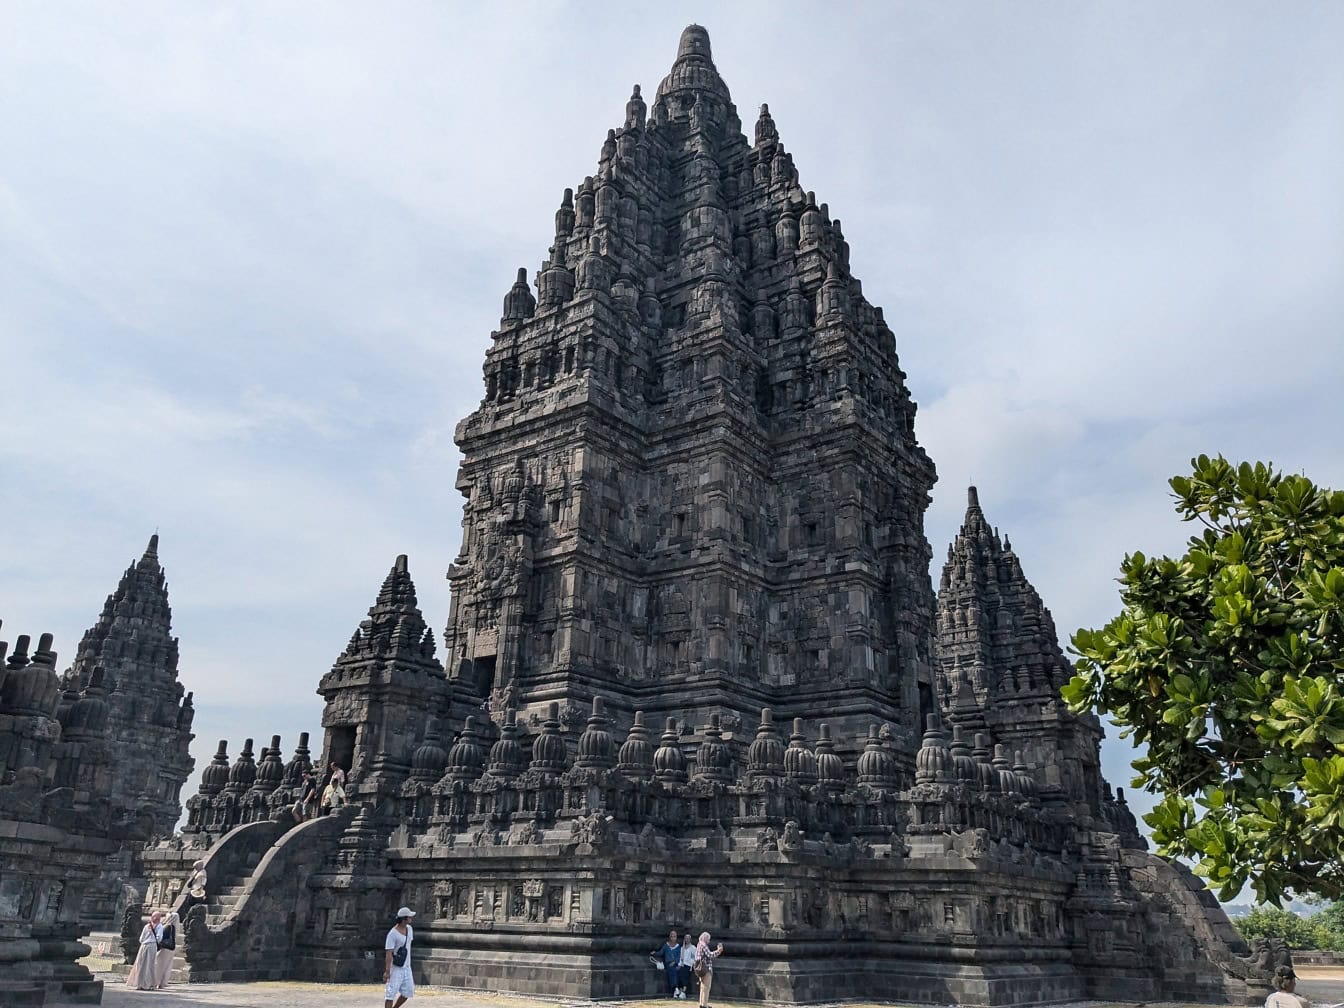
701 966
169 939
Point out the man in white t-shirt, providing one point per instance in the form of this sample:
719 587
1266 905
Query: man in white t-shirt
400 987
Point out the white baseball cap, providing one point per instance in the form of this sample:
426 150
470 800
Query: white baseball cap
405 912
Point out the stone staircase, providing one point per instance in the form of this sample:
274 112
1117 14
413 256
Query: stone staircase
258 879
227 898
1204 956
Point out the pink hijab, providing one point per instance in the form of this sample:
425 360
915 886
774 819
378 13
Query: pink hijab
702 946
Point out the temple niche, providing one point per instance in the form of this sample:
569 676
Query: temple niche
694 672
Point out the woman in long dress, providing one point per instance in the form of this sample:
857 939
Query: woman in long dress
142 975
163 962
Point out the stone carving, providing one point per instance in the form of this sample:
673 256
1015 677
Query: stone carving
591 829
132 920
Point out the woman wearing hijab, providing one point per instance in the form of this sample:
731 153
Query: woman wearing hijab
704 966
163 962
142 975
195 888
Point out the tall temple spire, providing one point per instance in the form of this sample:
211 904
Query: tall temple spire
128 658
133 645
1000 659
697 339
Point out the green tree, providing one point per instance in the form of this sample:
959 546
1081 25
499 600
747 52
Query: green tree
1227 663
1330 922
1267 921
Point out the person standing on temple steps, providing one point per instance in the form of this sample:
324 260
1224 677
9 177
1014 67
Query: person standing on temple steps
333 795
400 987
307 803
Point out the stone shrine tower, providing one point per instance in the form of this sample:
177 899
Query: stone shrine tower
380 691
1002 667
693 480
148 720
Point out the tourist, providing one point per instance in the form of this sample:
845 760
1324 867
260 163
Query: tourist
195 886
142 975
333 796
1286 982
163 962
687 962
668 959
307 803
397 966
704 966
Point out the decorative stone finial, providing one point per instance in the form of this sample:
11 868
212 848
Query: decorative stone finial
694 42
669 764
830 768
713 761
766 131
989 780
549 754
519 303
216 775
933 762
875 767
635 759
506 755
430 758
765 755
466 758
800 764
963 764
594 750
564 217
1003 771
635 110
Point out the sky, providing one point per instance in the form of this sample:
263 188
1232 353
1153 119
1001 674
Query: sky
251 255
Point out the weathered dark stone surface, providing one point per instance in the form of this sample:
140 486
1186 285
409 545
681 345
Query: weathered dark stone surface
695 501
148 721
55 778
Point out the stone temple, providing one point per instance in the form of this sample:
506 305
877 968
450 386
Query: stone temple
694 673
132 649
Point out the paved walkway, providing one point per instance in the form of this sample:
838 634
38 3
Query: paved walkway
1323 986
298 995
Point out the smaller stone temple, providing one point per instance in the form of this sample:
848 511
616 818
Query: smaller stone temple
57 765
132 651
